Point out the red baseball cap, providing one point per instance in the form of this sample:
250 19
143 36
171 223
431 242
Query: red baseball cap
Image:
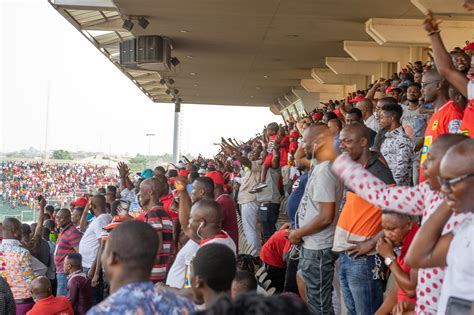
184 173
356 99
81 202
317 116
294 134
216 177
469 46
391 88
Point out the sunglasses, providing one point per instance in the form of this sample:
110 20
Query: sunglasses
449 183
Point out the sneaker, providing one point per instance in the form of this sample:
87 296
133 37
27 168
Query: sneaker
260 186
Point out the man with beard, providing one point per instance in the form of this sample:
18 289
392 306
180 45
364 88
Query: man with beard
414 123
447 116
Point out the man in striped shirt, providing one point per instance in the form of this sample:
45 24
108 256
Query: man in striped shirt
68 242
151 190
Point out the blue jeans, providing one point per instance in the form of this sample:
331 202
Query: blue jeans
362 294
268 214
61 290
317 269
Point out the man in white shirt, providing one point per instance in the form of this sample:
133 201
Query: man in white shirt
90 241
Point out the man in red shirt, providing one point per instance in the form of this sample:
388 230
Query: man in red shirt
399 231
46 303
229 211
447 116
274 254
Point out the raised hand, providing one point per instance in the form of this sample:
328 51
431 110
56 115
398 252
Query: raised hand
431 24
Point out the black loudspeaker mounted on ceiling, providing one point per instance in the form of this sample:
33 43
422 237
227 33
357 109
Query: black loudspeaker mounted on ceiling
146 53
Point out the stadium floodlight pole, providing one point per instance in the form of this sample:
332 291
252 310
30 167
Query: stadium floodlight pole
149 135
177 110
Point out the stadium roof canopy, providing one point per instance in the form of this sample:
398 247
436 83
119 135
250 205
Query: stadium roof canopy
268 52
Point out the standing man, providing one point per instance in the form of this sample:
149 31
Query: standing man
359 228
317 216
397 148
151 190
269 197
229 212
248 201
447 116
90 242
68 242
414 123
15 262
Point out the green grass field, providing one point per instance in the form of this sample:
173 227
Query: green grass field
24 214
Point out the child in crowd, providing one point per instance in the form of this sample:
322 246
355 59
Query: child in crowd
273 136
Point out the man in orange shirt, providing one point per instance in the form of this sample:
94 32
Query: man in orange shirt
46 303
447 116
359 227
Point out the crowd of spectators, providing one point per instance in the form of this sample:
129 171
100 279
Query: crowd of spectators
334 203
22 181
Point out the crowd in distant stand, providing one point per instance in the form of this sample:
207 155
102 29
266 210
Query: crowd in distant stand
21 181
334 202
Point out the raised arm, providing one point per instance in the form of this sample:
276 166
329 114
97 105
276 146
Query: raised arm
83 221
39 226
184 209
441 56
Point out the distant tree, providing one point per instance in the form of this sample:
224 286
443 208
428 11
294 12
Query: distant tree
61 155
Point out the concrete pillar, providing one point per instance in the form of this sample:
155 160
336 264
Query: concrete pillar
371 51
339 91
327 76
310 100
375 70
411 32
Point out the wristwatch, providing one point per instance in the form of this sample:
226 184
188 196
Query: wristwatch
389 260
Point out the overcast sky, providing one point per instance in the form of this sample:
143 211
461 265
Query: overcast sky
92 105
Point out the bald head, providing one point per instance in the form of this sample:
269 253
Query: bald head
151 190
457 166
310 136
359 130
208 210
63 217
11 229
134 255
99 202
446 141
365 107
41 288
155 185
459 158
